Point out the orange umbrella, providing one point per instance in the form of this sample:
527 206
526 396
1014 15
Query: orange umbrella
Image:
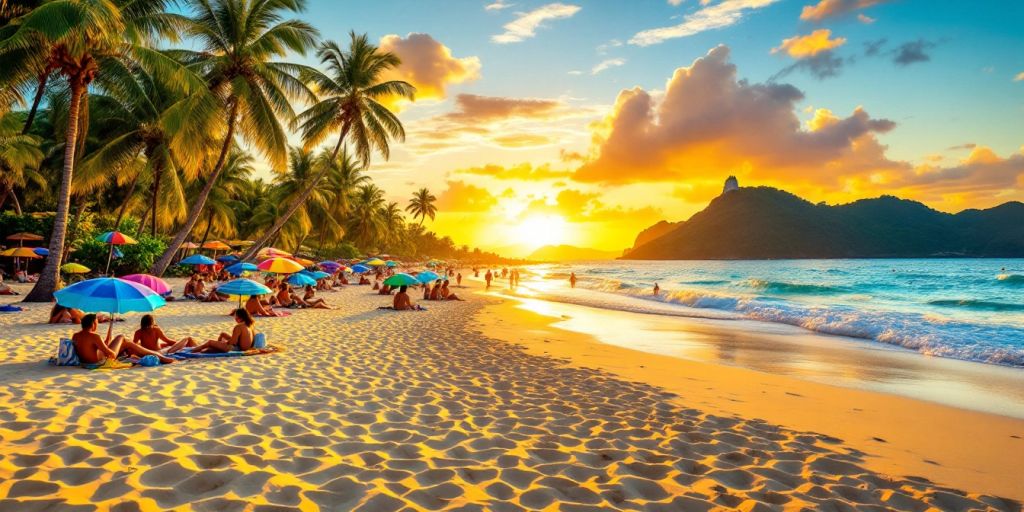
217 245
25 237
20 252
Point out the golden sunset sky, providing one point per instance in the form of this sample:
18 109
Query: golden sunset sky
583 122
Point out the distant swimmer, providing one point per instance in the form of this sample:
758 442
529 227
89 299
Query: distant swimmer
572 279
656 288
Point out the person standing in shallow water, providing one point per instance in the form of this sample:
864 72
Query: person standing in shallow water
572 279
656 288
487 277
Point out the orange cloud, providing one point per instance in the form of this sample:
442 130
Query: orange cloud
800 47
524 171
577 206
464 197
428 65
473 108
832 8
709 124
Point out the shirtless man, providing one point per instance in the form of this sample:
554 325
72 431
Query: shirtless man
402 300
92 349
255 307
152 337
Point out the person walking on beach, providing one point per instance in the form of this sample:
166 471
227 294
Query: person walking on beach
487 277
458 279
572 279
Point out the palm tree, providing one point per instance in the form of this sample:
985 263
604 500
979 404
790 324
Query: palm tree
350 105
20 155
239 41
302 169
84 41
422 205
219 211
365 225
394 225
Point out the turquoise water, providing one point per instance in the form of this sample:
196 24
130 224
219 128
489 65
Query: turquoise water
970 309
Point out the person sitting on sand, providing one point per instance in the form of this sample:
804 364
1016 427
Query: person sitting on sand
287 299
435 292
403 302
256 307
92 349
376 284
214 296
363 280
240 338
152 337
426 291
342 280
447 294
5 289
65 315
385 290
312 301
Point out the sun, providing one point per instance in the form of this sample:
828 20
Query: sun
540 230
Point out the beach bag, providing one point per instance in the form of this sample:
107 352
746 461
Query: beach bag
259 341
66 355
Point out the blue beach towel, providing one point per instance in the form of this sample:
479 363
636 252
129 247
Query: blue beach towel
7 308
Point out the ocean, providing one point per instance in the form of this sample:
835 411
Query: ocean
969 309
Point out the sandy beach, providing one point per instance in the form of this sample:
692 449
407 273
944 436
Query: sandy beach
474 405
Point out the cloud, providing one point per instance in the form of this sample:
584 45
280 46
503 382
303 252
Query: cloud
604 47
524 172
1019 77
464 197
983 177
873 48
526 23
911 52
802 47
497 6
708 124
428 65
865 19
720 15
578 206
472 108
606 65
833 8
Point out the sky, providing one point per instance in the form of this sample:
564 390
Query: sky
583 122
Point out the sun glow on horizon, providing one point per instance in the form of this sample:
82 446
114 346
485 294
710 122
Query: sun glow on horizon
539 230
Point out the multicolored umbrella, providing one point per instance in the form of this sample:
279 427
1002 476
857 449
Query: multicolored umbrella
401 280
114 238
197 259
152 282
109 295
299 279
279 266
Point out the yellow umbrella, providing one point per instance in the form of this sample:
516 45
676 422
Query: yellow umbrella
20 252
74 268
375 262
304 262
280 266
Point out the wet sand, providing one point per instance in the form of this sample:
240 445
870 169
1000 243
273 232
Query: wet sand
378 410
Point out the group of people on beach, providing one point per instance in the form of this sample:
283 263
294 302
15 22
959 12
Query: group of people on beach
150 340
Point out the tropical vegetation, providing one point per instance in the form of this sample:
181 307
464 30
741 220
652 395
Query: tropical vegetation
160 119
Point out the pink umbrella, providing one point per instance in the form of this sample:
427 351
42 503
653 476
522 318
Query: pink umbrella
152 282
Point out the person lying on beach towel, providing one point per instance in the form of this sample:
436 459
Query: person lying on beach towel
152 337
240 339
215 296
312 301
64 315
92 349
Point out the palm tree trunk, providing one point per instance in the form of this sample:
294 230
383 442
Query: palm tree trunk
40 90
298 201
124 206
143 220
157 174
3 197
50 276
17 204
197 208
206 234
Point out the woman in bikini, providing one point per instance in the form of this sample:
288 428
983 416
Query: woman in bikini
240 338
152 337
312 300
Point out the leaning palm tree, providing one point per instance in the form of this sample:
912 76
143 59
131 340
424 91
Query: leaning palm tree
239 41
422 205
351 91
84 41
20 156
219 213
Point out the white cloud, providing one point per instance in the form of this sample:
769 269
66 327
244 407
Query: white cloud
526 23
607 64
497 5
865 19
1019 77
722 14
575 72
604 47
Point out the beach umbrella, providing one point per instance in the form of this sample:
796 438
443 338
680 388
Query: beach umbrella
300 279
114 238
109 295
20 252
279 266
392 263
303 261
152 282
374 262
216 245
243 288
23 237
240 267
74 268
315 274
271 252
360 268
189 245
197 259
427 276
42 251
330 266
401 280
229 259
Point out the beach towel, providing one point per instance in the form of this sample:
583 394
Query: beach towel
66 355
7 308
186 353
